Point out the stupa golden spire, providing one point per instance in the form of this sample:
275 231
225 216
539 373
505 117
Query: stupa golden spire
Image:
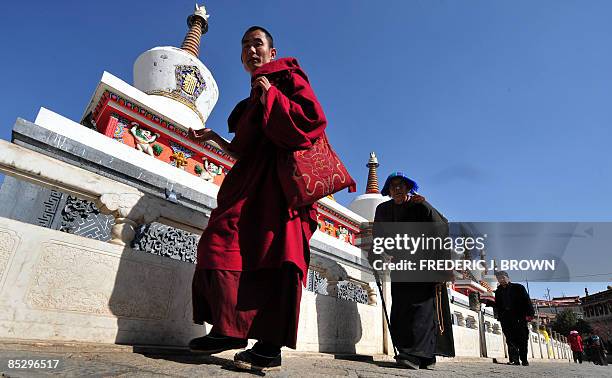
198 25
372 186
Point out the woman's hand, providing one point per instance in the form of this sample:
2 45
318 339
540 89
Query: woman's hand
417 198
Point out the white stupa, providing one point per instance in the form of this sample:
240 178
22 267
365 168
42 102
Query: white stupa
365 204
178 82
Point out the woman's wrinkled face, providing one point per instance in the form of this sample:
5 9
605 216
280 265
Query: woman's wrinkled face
398 190
503 280
256 51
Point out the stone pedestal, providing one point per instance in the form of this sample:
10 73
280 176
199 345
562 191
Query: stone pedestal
57 286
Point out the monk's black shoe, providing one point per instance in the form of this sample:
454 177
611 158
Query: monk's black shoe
211 344
408 362
428 363
525 363
516 363
250 360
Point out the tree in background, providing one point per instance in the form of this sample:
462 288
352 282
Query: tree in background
583 327
565 322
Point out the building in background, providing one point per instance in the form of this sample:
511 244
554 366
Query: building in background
597 309
548 309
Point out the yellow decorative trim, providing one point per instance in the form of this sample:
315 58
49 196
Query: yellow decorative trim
174 96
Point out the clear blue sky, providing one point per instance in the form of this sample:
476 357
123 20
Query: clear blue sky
501 110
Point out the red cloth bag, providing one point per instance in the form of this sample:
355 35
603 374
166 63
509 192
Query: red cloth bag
311 174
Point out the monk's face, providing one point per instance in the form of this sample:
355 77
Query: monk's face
256 51
398 190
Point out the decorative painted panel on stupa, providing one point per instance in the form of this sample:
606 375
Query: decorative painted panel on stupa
130 123
173 92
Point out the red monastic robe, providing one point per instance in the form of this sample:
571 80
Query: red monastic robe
254 252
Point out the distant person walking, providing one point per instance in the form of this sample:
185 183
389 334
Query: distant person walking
514 310
576 344
544 333
597 352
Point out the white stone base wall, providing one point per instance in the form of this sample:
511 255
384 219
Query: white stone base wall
62 287
57 286
534 346
495 346
329 324
467 333
467 342
494 341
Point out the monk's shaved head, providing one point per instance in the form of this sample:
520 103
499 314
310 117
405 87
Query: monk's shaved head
267 33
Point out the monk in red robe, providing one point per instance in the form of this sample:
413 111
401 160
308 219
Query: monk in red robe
253 256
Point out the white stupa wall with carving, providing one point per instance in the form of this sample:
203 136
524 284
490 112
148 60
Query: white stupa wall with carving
180 85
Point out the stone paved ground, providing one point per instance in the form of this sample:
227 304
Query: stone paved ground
80 361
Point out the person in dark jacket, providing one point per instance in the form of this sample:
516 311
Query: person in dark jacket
597 352
420 323
514 310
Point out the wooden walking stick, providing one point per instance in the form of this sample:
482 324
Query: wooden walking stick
382 300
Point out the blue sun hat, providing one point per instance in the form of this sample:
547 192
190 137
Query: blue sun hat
409 182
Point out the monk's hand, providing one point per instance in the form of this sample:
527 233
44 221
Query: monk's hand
202 135
263 83
417 198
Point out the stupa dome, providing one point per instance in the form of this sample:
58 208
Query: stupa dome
178 81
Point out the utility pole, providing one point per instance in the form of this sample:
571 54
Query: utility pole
550 301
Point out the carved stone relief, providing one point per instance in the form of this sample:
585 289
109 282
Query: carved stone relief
49 209
496 329
83 218
316 282
459 319
163 240
470 322
72 278
346 290
8 244
352 292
